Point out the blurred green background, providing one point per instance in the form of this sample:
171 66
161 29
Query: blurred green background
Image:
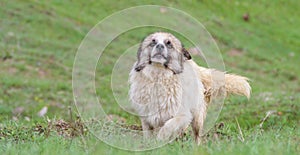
38 43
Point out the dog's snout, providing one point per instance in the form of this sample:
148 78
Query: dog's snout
160 47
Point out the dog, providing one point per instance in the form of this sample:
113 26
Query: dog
169 91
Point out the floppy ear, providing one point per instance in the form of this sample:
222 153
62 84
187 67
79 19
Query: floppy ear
138 66
186 54
143 59
175 62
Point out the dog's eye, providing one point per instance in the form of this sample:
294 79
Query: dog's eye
153 43
169 44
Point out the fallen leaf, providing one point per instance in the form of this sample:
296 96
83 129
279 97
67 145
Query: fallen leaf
27 118
43 111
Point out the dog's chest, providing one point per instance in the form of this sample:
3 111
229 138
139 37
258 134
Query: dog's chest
156 95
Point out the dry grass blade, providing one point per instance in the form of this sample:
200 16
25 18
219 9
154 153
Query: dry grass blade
240 131
268 114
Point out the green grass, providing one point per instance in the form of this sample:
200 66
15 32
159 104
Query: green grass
38 43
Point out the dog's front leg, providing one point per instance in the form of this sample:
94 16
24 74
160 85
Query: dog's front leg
147 129
174 126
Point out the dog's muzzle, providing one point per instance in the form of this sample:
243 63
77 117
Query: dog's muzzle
160 47
159 54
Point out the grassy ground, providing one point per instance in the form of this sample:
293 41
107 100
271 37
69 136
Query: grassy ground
37 49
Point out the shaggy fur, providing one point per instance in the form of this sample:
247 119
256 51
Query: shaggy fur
169 91
231 83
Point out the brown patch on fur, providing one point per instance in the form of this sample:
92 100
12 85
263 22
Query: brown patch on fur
186 54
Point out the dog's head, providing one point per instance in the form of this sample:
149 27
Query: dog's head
164 49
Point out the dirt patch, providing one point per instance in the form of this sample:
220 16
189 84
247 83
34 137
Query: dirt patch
235 52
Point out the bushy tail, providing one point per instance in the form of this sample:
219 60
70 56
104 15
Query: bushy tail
213 81
238 85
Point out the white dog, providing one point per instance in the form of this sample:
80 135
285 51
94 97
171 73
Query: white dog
169 91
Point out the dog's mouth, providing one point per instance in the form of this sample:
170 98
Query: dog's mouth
159 56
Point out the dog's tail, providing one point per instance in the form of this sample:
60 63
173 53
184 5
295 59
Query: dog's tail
236 84
213 81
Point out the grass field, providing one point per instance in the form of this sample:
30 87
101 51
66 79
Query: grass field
38 43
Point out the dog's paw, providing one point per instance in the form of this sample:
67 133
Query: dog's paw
164 134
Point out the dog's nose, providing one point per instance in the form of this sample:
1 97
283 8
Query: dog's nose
160 47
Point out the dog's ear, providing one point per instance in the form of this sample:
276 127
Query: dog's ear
142 58
139 66
175 62
186 53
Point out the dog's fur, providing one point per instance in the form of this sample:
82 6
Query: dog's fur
169 91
